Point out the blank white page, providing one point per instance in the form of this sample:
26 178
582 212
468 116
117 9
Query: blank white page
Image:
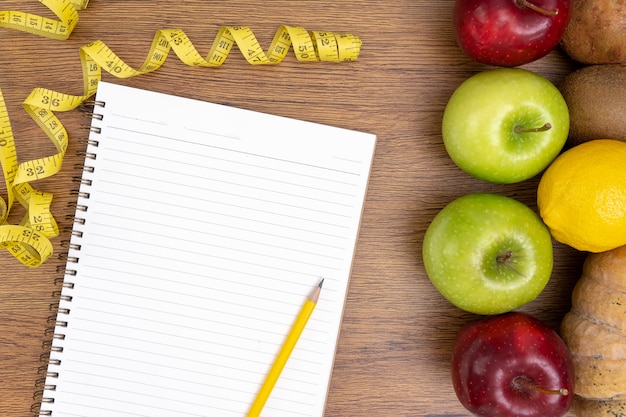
205 229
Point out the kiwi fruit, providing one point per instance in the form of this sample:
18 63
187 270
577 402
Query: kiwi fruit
596 99
595 32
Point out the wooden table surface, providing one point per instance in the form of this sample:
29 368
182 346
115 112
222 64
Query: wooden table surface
397 332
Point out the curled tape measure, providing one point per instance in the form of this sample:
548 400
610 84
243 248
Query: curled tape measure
29 241
65 10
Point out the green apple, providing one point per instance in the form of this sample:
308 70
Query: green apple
505 125
487 253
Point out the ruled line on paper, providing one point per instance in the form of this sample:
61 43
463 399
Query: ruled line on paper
245 337
137 119
192 171
89 407
105 367
240 164
202 396
233 328
193 284
236 218
180 141
212 133
240 184
258 189
239 172
180 349
124 412
199 245
168 373
210 232
188 262
324 260
250 284
249 207
313 334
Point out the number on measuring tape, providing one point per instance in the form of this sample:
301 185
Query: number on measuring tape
65 10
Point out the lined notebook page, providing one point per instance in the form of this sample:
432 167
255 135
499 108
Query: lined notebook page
205 229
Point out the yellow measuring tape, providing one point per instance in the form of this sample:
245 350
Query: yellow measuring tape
65 10
29 241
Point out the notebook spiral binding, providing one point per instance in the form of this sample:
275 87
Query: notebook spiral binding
52 347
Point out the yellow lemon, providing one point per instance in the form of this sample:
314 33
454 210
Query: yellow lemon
582 196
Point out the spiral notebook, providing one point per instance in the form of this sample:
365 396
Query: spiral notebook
200 229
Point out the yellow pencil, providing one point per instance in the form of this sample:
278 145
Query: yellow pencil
285 352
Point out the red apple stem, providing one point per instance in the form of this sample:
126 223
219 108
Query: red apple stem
526 3
523 382
520 129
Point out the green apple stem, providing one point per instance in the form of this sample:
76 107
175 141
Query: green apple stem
526 3
520 129
505 257
521 382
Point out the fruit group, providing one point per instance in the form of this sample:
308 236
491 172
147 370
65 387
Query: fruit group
512 365
509 32
505 125
487 253
596 99
595 331
582 196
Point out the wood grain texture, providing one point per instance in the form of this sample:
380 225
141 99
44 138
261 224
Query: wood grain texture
397 332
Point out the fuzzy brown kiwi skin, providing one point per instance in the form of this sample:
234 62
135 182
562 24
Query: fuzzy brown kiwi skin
596 99
595 32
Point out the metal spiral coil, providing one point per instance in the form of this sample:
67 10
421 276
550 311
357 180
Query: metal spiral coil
57 321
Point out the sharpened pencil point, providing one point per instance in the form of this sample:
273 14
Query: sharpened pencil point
321 283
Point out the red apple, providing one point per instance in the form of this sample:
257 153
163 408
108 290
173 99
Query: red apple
512 365
509 32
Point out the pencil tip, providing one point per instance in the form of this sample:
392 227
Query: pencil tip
321 283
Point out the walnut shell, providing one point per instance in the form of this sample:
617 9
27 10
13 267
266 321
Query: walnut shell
595 332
